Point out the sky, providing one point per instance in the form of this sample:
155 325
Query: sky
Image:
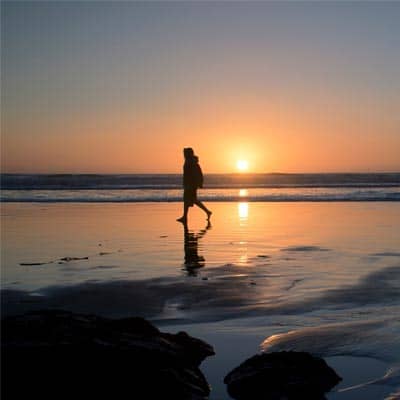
122 87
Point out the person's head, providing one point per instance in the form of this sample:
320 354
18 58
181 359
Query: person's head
188 152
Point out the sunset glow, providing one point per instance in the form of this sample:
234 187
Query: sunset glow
106 92
230 168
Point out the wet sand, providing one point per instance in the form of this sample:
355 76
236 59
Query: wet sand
324 277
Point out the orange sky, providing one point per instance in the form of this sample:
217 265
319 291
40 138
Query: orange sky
278 140
288 88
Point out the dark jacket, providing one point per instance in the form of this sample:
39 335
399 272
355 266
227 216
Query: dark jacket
192 174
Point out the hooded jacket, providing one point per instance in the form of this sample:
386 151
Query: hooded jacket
192 174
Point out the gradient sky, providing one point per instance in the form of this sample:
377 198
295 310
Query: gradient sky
120 87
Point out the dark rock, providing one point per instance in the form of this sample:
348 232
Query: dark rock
35 263
281 375
69 259
52 354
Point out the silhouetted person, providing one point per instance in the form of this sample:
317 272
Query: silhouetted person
192 180
193 261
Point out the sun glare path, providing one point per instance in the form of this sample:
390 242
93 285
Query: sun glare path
243 210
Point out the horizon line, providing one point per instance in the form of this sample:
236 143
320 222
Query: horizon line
206 173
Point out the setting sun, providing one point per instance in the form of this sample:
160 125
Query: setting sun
242 165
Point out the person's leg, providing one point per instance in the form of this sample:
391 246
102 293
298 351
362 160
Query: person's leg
185 213
187 202
204 208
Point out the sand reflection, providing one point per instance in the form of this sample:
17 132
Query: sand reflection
243 206
243 211
193 260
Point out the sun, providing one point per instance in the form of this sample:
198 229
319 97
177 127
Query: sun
242 165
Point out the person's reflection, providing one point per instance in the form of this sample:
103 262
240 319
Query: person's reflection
193 261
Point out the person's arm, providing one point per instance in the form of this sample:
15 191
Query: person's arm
199 176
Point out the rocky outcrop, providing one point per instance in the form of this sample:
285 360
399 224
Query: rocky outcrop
53 354
281 375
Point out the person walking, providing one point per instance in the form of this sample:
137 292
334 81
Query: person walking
192 180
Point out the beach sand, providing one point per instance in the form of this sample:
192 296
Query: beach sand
319 277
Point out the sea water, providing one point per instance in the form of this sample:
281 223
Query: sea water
217 187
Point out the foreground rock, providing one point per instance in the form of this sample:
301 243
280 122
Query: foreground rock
57 354
281 375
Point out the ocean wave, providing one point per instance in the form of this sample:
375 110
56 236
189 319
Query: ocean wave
174 181
208 195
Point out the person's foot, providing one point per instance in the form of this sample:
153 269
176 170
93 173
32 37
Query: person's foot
208 214
182 219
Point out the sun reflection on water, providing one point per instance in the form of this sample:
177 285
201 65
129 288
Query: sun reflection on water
243 210
243 193
243 259
243 213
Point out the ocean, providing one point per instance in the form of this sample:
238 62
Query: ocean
218 187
